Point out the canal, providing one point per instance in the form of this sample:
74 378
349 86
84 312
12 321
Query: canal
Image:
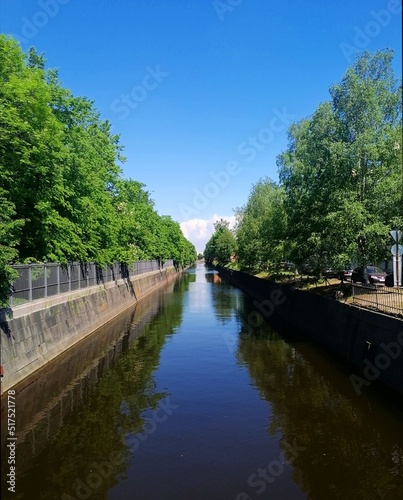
182 399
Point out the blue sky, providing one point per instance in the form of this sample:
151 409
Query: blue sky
203 91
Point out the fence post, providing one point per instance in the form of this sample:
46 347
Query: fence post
11 299
79 275
69 275
30 281
45 280
376 295
95 274
58 277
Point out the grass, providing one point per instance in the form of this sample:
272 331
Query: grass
232 265
310 284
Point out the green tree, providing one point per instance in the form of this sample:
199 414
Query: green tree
57 162
90 175
222 244
9 238
30 143
62 194
262 227
342 171
135 222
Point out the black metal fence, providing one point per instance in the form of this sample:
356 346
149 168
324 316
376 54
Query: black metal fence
383 299
38 281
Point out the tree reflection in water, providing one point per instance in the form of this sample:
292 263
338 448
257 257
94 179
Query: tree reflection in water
348 451
95 437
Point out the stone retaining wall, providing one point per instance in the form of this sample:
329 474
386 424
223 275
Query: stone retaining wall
37 332
370 342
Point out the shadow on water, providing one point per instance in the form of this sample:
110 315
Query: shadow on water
73 417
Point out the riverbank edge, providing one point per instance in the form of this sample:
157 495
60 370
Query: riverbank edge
34 334
371 343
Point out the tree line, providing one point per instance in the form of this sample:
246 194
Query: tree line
340 189
62 194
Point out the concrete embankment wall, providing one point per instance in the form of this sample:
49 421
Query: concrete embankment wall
62 386
371 342
35 333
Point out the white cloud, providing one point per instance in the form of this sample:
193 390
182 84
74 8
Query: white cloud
199 231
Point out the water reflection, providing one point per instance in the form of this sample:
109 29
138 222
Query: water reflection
341 441
224 298
349 452
87 427
183 281
211 277
265 406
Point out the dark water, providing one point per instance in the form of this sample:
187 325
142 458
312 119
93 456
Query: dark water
183 399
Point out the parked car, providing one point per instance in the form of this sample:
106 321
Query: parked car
305 269
375 275
345 275
390 279
330 273
288 266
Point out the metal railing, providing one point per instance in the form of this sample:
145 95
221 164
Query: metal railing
383 299
38 281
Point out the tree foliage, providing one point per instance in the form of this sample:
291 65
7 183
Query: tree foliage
62 194
222 245
341 178
261 226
